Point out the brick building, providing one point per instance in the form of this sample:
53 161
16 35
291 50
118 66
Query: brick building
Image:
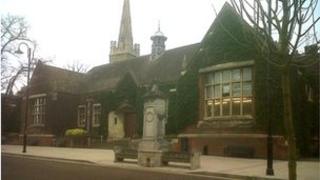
217 93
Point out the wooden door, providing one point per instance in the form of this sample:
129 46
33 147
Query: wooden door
130 124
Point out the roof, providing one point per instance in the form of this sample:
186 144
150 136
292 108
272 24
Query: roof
166 69
57 79
107 76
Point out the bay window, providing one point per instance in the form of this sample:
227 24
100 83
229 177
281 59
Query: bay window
228 92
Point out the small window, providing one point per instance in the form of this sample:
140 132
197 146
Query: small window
38 110
96 114
115 121
81 115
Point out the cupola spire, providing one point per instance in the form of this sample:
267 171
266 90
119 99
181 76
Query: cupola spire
158 43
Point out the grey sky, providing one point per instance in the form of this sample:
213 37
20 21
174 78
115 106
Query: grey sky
69 30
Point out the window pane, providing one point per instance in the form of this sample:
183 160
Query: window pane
217 78
247 89
226 76
96 114
236 106
236 90
209 79
236 75
208 92
209 105
81 115
217 104
217 91
247 106
247 74
226 90
226 107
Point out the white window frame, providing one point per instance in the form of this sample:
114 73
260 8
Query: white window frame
95 114
81 120
220 99
38 110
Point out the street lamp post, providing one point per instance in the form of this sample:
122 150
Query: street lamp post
24 150
269 170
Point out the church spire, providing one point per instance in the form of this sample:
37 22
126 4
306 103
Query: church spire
125 36
124 49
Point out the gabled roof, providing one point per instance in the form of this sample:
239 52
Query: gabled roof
226 10
56 79
229 38
107 76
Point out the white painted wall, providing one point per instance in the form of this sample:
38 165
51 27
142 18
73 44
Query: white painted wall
115 130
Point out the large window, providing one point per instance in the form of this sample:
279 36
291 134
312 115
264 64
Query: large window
81 115
228 92
96 114
38 110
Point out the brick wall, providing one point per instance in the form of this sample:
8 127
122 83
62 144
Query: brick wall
39 139
217 145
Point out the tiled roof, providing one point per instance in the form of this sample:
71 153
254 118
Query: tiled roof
56 79
166 69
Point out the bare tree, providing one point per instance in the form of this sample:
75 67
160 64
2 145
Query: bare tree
13 67
13 30
77 66
280 28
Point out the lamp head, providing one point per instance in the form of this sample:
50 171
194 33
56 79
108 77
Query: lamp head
19 51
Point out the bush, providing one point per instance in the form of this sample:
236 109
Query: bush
76 132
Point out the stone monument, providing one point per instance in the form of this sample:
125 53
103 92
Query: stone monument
153 143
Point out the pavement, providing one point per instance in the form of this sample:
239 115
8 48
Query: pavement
234 168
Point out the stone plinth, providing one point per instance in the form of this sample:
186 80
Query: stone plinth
150 152
149 158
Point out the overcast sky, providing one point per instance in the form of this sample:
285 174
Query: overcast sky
81 30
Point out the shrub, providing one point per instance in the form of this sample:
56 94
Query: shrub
77 132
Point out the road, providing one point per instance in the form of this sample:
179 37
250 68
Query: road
23 168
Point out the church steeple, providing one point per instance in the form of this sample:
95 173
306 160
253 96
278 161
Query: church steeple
125 36
125 48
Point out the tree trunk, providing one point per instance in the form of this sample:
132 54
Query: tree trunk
288 122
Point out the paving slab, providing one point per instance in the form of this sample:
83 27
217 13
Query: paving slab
210 165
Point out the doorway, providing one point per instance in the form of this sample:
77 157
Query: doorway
130 124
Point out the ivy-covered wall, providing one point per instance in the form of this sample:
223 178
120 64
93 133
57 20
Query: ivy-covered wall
126 92
230 40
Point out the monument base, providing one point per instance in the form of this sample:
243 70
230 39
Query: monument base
150 158
150 152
